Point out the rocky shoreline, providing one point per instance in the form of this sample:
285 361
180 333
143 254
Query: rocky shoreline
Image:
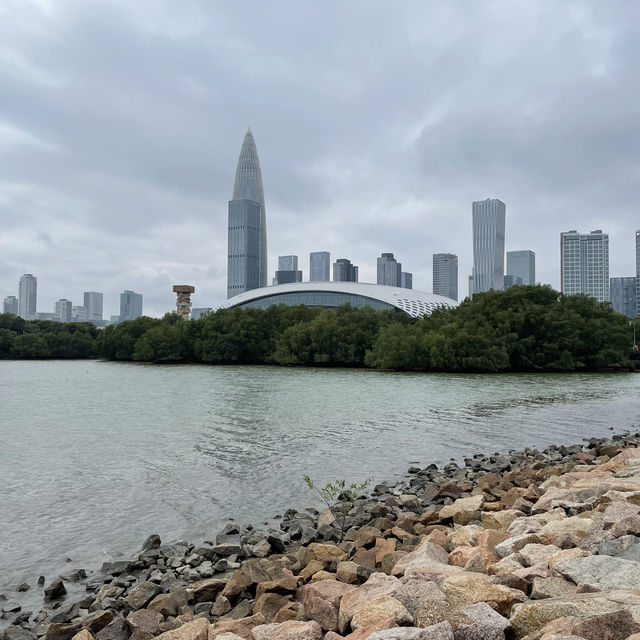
534 545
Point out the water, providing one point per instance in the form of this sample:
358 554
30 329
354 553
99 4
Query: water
95 456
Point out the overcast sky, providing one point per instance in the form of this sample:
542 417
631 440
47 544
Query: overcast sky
377 124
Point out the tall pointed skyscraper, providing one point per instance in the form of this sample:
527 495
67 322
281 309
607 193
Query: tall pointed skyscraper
247 245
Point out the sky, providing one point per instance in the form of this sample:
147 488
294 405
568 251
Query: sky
377 125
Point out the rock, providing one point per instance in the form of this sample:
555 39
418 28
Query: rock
152 542
531 616
553 587
625 547
145 620
66 612
319 576
169 604
463 510
196 630
489 538
524 525
241 627
515 543
379 609
83 635
55 590
115 568
17 633
243 609
440 631
376 586
221 606
568 529
384 546
533 553
432 612
500 519
487 624
506 566
412 593
142 594
205 590
617 625
115 630
476 564
97 621
321 601
427 558
469 588
62 630
269 604
261 549
602 572
566 554
326 553
292 630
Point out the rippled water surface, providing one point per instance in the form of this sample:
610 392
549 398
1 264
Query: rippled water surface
94 456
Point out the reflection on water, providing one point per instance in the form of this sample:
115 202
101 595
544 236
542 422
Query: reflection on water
104 453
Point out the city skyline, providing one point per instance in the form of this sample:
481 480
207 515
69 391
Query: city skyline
357 156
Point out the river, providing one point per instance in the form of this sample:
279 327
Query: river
94 456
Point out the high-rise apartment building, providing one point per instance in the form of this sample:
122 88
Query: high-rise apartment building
319 266
488 244
27 296
638 274
62 310
522 264
445 275
130 305
584 264
79 314
93 305
512 281
344 271
247 239
389 270
406 280
287 270
623 295
10 305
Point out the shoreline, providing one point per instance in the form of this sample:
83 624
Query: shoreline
411 514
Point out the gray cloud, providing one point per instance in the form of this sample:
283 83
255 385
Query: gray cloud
376 124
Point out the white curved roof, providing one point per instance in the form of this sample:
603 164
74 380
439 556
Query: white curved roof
415 303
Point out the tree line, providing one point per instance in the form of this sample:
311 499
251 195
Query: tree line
526 328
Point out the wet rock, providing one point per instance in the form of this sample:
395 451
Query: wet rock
55 590
66 612
24 587
116 568
152 542
17 633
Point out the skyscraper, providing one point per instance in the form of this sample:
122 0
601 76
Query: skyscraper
445 275
488 245
27 296
344 271
406 280
623 296
638 273
584 264
247 239
319 266
130 305
62 310
389 270
10 305
522 264
287 270
93 305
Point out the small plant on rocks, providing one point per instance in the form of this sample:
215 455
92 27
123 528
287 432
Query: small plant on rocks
339 498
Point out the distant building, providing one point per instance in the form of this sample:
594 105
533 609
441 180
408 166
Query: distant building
488 245
247 239
512 281
344 271
10 305
389 270
44 315
93 305
114 319
638 274
406 280
79 314
287 270
62 310
445 275
130 305
623 295
199 312
27 296
522 264
471 292
319 266
584 264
